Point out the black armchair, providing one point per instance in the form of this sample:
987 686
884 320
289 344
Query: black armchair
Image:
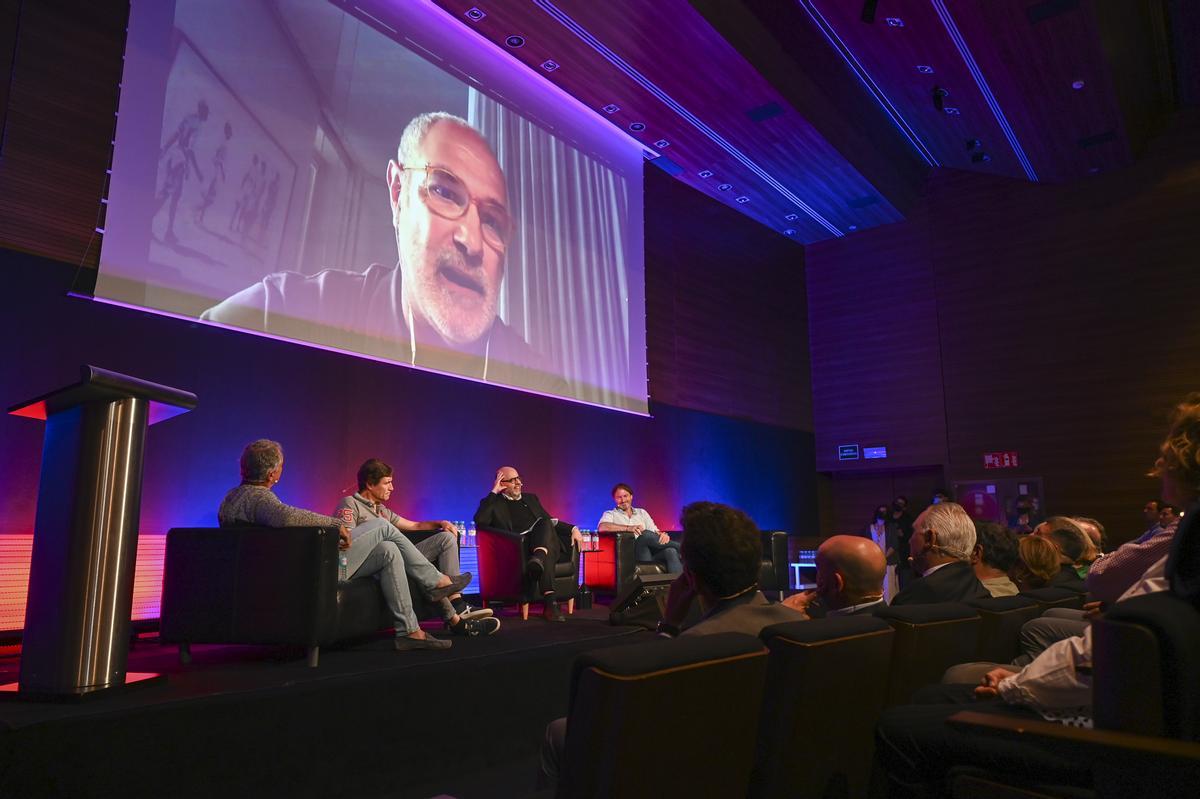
266 585
502 556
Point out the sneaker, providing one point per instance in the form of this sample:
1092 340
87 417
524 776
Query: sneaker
552 612
403 643
469 611
475 627
457 584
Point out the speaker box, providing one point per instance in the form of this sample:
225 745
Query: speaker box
644 600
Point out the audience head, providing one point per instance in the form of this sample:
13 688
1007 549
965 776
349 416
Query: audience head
899 506
995 548
1037 563
942 533
881 514
1095 532
1150 511
1066 535
262 462
1178 462
850 570
1168 515
939 496
722 549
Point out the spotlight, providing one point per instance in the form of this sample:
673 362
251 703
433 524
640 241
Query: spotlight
705 173
474 13
662 144
611 108
743 199
549 65
725 187
924 69
852 228
953 111
515 41
637 127
790 232
792 217
1077 85
973 144
980 158
939 97
894 22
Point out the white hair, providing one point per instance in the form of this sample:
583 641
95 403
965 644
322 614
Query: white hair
955 530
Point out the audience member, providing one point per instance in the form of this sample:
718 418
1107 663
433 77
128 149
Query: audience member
942 542
506 507
1071 543
374 547
1095 532
883 535
917 748
1037 563
722 553
850 575
1024 516
651 545
375 485
994 555
901 524
1150 513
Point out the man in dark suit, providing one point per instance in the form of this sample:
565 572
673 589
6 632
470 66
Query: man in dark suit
506 507
942 541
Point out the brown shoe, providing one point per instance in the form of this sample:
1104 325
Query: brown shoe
404 643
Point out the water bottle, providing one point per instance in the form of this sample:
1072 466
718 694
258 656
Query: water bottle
471 534
342 566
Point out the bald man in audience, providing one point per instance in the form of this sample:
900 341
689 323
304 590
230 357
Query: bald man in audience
942 542
850 573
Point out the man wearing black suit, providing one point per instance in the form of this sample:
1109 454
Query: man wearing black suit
942 541
507 508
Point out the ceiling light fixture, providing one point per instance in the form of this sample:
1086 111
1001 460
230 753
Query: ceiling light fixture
515 41
474 13
549 65
637 127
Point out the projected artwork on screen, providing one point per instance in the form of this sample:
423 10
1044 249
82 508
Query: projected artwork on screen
311 179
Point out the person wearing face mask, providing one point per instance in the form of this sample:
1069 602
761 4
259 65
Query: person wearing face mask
884 537
652 545
901 522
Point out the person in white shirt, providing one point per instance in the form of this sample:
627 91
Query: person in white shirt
652 545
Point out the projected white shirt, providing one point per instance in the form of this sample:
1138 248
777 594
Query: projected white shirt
362 311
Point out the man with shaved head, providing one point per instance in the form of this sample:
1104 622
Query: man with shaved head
507 507
850 572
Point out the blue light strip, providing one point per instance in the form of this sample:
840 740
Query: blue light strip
688 116
981 82
865 77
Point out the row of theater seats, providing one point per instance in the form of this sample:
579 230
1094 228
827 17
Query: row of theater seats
792 712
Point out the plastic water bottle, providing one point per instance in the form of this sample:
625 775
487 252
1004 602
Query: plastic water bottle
471 534
342 567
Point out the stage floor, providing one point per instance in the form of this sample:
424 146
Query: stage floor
368 721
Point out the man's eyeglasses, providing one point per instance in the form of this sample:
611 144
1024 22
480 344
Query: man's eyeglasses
448 197
513 480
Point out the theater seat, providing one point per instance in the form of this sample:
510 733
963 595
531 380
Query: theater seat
670 717
929 640
502 556
266 585
1055 597
1146 706
835 666
1000 620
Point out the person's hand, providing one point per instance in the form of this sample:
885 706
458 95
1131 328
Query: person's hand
989 686
343 537
498 486
577 537
680 597
800 601
663 538
449 527
1093 610
637 528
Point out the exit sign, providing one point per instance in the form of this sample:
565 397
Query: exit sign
1000 460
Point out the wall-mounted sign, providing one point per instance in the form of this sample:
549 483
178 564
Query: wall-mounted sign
874 452
1000 460
847 452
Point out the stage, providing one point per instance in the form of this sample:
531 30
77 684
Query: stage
242 721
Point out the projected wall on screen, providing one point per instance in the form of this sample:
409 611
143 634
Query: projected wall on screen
284 168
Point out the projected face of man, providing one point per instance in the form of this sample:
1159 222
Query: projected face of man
451 273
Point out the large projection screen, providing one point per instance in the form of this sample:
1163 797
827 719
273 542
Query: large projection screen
263 180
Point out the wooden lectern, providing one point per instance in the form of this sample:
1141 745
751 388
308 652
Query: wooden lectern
77 616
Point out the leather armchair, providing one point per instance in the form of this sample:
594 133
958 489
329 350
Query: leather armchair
1055 597
1000 623
502 556
929 640
266 585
